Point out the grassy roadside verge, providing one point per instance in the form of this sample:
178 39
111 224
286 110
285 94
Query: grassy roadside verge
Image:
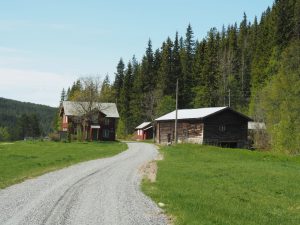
23 160
209 185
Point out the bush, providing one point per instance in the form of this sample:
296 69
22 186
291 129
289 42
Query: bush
54 137
4 135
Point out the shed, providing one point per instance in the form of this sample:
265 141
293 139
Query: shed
144 131
221 126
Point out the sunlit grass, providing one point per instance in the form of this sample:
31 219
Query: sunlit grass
22 160
209 185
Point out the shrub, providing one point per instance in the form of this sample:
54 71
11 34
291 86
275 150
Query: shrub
54 137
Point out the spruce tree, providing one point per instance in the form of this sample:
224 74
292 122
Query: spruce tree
166 78
125 98
62 96
119 79
187 61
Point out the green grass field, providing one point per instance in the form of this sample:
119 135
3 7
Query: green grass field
209 185
23 160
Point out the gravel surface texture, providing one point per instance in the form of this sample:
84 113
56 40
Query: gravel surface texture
104 191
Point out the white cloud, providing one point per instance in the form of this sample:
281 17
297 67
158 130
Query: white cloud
33 86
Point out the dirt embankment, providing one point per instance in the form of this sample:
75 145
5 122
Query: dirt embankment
149 169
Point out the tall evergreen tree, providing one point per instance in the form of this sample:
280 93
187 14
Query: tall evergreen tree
107 93
297 20
119 79
187 57
148 69
166 77
125 100
62 96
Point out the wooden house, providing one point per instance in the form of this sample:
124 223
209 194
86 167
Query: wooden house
91 121
216 126
144 131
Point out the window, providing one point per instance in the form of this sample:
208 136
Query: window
106 133
106 121
95 118
185 133
222 128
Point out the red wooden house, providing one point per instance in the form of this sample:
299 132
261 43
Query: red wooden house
91 121
144 131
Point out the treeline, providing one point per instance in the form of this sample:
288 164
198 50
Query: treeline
244 59
19 120
253 66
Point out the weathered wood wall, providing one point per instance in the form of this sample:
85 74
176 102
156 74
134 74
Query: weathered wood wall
188 131
226 128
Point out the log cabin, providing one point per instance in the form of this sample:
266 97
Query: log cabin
91 121
220 126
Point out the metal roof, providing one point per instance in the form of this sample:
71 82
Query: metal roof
79 108
143 125
190 113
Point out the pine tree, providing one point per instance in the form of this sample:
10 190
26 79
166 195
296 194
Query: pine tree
284 22
166 79
297 20
210 69
119 79
243 45
148 69
187 57
136 98
62 96
107 93
125 99
76 88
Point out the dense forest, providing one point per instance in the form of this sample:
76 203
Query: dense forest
253 66
21 119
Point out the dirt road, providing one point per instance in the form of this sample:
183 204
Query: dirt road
104 191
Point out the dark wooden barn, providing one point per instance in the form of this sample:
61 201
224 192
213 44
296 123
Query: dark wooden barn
220 126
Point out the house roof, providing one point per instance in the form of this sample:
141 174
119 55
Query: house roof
194 113
79 108
143 125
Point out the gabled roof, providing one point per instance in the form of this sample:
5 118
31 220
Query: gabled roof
143 125
78 108
195 113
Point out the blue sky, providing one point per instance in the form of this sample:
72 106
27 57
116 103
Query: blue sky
46 45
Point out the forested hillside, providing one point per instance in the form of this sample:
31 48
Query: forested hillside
254 65
19 119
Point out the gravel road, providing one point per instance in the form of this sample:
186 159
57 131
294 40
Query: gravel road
103 191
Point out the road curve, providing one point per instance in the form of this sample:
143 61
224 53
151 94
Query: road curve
104 191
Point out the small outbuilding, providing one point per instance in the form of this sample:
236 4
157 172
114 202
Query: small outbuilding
144 131
220 126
